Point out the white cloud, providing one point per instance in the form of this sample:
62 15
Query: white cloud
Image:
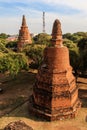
70 23
74 23
78 4
9 25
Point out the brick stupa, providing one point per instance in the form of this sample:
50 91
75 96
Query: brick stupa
24 35
55 94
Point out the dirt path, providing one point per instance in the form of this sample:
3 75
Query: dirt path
15 92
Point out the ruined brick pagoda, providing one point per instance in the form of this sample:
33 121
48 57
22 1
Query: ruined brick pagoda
55 94
24 35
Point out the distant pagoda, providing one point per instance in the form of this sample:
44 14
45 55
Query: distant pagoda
55 94
24 35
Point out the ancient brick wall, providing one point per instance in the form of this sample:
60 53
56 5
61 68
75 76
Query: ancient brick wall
24 35
55 94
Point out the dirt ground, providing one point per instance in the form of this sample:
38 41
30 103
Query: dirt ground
14 104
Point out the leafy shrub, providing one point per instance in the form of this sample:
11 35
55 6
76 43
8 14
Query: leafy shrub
35 53
42 39
11 44
13 62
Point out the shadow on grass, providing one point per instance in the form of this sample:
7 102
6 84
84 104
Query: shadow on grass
25 111
84 102
83 97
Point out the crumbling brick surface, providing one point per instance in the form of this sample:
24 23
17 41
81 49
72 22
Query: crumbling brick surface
17 125
24 35
55 94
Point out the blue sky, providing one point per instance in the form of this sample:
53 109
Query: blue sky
71 13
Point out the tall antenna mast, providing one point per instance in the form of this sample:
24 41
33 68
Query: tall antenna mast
43 22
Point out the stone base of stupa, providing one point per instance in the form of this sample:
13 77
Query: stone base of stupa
52 115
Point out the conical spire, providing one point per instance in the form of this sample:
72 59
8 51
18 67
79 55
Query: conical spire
23 21
57 33
24 35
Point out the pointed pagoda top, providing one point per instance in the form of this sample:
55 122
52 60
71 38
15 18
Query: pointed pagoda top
24 21
57 28
57 33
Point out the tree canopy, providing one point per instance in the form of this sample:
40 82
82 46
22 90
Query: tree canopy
42 38
12 62
32 55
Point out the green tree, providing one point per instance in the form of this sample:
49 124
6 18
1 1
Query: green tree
42 38
12 45
82 34
3 36
68 43
82 44
35 53
75 60
67 36
13 62
3 41
3 48
74 55
75 37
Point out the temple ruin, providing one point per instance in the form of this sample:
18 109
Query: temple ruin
24 35
55 94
